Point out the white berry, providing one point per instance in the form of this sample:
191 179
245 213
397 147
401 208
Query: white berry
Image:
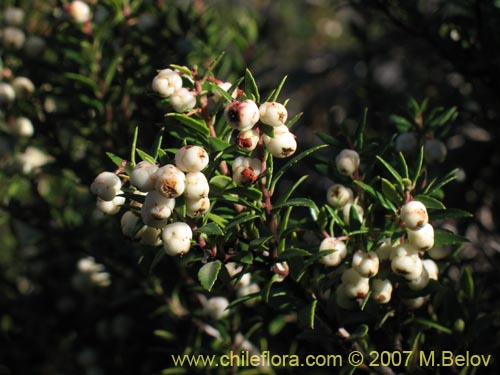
128 223
346 212
166 82
381 290
216 308
248 140
283 144
191 158
7 94
177 238
79 11
197 186
156 209
197 207
365 263
423 237
347 162
142 176
106 185
339 195
13 16
414 215
23 87
273 113
245 170
183 100
169 181
336 257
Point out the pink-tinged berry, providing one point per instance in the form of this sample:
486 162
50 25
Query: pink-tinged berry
242 115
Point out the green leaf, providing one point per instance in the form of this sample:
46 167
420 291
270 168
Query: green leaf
134 146
391 193
307 314
274 95
251 86
420 163
217 145
450 213
267 130
83 80
219 184
402 124
327 138
251 193
185 70
145 156
439 183
155 149
241 219
429 202
291 163
468 283
392 171
378 196
303 202
293 252
404 165
442 237
210 229
431 324
225 94
115 159
290 191
360 131
294 119
165 335
199 126
209 273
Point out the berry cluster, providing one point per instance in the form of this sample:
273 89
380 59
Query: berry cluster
160 186
168 84
403 259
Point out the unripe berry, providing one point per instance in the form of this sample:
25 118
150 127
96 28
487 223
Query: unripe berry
183 100
191 158
23 87
248 140
177 238
434 151
339 195
197 207
381 290
33 158
13 37
169 181
355 285
22 127
409 266
365 263
128 223
347 162
149 236
406 143
245 170
79 11
346 212
197 186
166 82
34 46
7 94
111 207
273 113
422 238
283 144
156 209
142 176
242 115
336 257
13 16
216 308
414 215
106 185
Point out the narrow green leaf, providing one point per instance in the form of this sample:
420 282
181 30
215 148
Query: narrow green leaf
378 196
429 202
197 125
209 273
251 193
210 229
391 193
450 213
223 93
442 237
303 202
290 191
294 119
113 66
431 324
83 80
468 282
251 86
293 252
360 131
184 69
115 159
439 183
155 149
327 138
404 165
306 315
392 171
217 145
134 146
401 123
241 219
277 91
291 163
420 163
165 335
145 156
